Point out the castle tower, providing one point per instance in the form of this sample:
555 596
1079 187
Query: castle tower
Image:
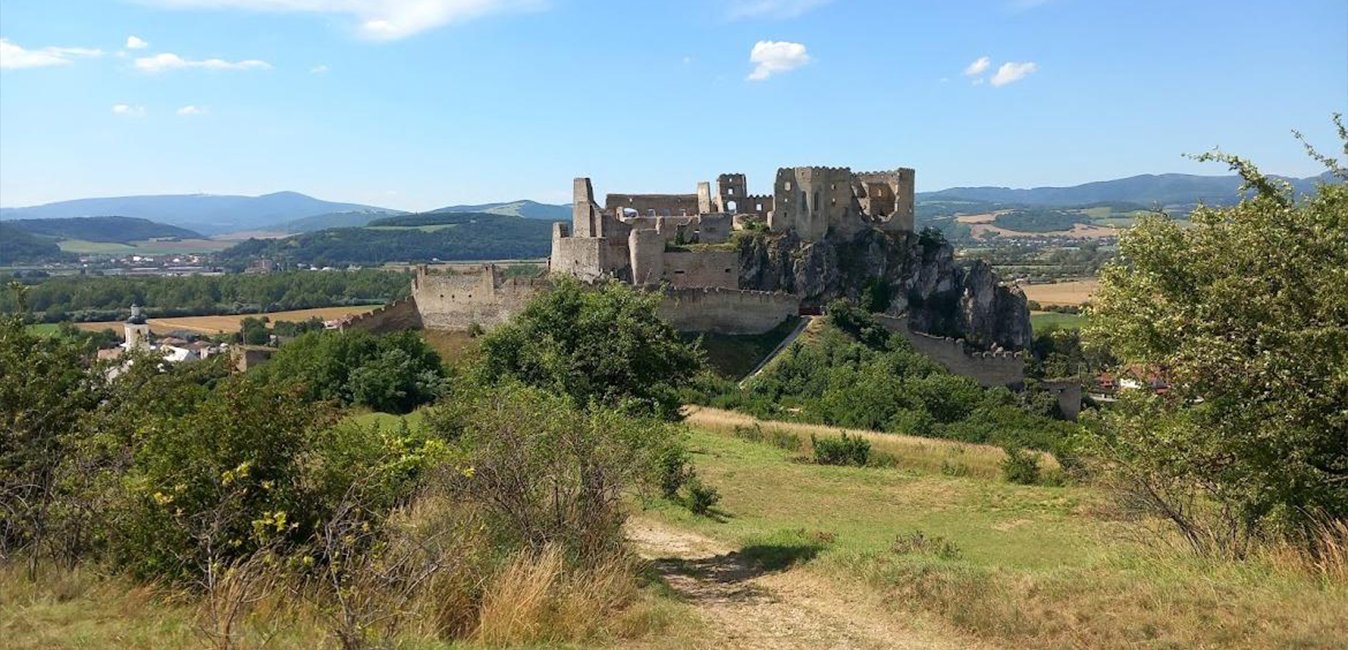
731 192
137 332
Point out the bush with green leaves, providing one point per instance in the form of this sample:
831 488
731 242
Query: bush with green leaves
1245 313
542 471
604 346
394 373
1020 466
843 450
702 497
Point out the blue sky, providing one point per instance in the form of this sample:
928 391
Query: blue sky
417 104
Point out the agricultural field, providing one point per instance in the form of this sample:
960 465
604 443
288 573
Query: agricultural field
1043 319
229 323
146 247
1074 292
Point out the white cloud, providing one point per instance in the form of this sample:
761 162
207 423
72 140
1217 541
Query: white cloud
13 56
772 8
1011 72
170 61
127 110
318 69
191 110
381 20
136 43
773 57
979 66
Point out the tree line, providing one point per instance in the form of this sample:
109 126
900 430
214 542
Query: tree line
102 298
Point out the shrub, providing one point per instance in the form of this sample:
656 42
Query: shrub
674 470
918 543
701 497
1020 466
775 437
542 471
843 450
604 346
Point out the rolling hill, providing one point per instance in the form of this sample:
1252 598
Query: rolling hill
522 208
1146 189
100 229
206 213
427 237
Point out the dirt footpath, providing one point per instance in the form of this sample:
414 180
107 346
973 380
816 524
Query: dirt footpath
745 607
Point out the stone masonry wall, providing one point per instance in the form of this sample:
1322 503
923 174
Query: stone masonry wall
727 311
394 317
702 269
657 205
987 368
456 302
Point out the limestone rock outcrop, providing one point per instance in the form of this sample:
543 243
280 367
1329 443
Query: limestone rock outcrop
916 274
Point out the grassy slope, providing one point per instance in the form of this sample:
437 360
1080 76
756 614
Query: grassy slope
733 357
1042 319
1039 567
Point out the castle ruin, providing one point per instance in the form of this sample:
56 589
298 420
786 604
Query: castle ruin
823 233
669 239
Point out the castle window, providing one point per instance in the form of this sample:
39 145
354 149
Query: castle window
787 187
730 191
758 207
727 270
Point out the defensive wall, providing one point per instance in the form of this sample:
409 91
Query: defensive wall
987 368
401 314
652 205
459 301
727 311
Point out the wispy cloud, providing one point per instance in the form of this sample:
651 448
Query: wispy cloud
136 43
776 57
978 67
1011 72
381 20
772 8
190 110
128 110
319 69
14 56
1026 5
169 61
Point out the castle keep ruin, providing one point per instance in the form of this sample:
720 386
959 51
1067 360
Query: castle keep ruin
669 239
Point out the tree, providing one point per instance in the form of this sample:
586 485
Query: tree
1246 315
605 346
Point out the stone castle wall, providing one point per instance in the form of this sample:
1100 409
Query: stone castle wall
459 301
402 314
711 269
727 311
652 205
987 368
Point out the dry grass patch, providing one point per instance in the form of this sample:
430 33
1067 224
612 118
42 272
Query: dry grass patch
911 452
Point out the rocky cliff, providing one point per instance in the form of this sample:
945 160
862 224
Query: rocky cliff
903 274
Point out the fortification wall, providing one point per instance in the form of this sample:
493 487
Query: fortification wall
684 269
713 228
396 316
456 302
652 205
987 368
727 311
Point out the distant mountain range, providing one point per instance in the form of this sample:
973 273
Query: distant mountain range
206 213
1147 190
524 208
292 212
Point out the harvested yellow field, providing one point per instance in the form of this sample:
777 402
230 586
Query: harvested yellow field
1062 293
230 323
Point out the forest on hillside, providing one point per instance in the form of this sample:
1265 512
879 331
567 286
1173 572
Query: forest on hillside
411 238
